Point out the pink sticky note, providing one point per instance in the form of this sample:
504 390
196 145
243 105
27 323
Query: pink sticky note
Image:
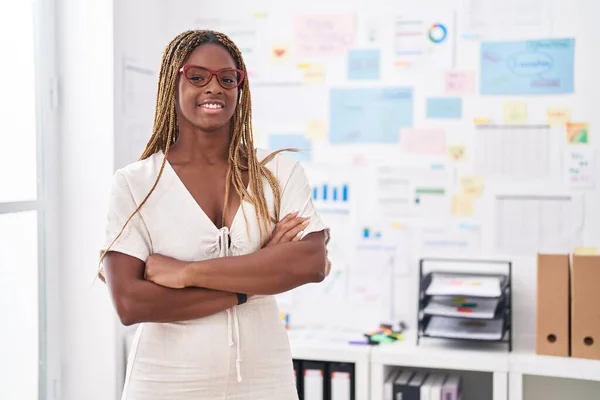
423 141
460 82
324 35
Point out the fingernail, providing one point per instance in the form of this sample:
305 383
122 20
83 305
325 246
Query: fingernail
306 222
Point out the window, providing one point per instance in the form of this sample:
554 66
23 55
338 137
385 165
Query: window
28 63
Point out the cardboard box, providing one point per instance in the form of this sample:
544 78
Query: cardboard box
553 297
585 307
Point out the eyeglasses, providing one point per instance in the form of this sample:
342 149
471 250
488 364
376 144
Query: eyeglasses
228 78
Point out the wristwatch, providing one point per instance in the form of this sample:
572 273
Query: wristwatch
242 298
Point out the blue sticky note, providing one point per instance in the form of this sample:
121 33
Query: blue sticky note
444 107
369 115
295 141
529 67
363 64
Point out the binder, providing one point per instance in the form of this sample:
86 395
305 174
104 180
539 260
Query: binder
553 298
342 382
298 375
413 389
313 376
388 385
436 388
428 384
401 384
585 300
451 388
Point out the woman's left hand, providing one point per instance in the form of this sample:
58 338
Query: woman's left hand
165 271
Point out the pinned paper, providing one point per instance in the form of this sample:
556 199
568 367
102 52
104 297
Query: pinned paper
423 141
460 82
558 116
515 112
471 186
577 133
581 168
313 73
463 205
586 251
280 53
456 152
316 129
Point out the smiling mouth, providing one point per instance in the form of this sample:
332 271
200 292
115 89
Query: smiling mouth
211 106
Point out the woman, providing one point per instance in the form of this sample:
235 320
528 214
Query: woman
195 246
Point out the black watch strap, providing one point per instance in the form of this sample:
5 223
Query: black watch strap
242 298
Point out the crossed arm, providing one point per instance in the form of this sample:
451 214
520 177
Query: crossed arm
195 290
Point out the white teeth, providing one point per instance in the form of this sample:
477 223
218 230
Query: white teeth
210 105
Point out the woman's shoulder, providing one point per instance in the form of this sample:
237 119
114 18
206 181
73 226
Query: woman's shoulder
140 174
281 164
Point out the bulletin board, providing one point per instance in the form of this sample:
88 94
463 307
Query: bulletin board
443 128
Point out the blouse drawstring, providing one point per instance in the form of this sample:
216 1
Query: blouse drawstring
224 242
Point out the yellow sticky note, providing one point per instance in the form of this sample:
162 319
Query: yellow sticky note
481 120
463 205
396 224
312 73
456 152
586 251
316 129
471 186
280 53
558 116
515 112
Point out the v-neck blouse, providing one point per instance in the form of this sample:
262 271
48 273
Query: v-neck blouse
172 223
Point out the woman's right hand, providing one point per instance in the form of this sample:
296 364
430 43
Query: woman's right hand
289 229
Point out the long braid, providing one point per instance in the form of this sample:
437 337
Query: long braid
241 156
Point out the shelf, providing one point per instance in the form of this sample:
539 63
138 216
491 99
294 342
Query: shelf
526 362
442 355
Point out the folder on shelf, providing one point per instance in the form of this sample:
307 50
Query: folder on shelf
313 375
342 381
585 311
298 376
451 388
435 392
401 384
553 297
388 385
428 385
413 389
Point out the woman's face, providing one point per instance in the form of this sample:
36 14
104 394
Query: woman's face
209 107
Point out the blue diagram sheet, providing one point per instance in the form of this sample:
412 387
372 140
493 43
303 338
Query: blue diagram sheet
370 115
531 67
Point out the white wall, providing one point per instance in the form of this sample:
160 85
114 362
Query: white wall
91 38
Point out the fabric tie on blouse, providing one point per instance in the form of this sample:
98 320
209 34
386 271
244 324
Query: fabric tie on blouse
224 243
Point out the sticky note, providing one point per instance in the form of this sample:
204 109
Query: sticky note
316 129
363 64
463 205
312 73
577 133
456 152
481 120
515 112
586 251
444 107
558 116
460 82
471 186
